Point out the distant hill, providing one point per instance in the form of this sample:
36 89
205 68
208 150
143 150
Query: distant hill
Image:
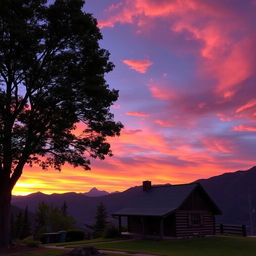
235 194
81 207
94 192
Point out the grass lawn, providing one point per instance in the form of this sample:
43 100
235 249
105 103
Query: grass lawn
211 246
39 252
48 252
86 242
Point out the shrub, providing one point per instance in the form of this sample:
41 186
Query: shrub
30 242
75 235
111 232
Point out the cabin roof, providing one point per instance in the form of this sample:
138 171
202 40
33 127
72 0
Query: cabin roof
160 200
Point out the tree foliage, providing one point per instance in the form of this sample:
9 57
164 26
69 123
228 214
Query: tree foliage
51 79
21 224
51 219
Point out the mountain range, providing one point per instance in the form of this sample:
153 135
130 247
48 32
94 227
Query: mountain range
234 193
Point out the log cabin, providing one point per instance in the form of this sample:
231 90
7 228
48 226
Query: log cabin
169 211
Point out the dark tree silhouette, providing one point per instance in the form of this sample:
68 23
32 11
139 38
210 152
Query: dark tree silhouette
26 230
64 208
51 219
51 78
21 224
100 220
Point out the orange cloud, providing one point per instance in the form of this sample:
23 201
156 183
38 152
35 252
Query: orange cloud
138 155
244 128
140 114
140 66
216 145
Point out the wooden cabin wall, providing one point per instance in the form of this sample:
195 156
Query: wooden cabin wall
197 201
185 229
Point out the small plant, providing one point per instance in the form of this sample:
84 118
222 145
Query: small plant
30 242
111 231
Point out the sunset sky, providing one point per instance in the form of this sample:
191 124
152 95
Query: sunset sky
186 71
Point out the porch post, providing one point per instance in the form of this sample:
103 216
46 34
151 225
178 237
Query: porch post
120 224
162 228
143 226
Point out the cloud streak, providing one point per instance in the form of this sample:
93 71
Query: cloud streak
140 66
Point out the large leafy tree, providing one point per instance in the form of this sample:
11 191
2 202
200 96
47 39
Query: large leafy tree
51 78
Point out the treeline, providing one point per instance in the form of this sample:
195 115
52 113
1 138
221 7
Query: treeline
47 218
50 219
21 224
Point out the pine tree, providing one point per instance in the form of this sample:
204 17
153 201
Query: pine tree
64 208
41 219
18 225
100 220
26 227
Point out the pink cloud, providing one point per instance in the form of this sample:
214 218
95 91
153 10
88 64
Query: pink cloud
116 106
250 104
244 128
225 57
164 123
160 93
218 145
160 89
140 66
139 114
224 118
137 10
233 69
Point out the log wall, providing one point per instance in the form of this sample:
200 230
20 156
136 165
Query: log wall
184 228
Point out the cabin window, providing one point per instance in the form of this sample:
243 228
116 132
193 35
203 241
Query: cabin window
195 219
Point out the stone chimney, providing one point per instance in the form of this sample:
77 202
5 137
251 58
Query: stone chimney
146 185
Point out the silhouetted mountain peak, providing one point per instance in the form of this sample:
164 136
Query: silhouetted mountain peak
36 194
94 189
94 192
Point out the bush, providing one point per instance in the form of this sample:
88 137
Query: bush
75 235
30 242
111 232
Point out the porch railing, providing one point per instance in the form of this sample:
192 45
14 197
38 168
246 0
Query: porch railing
231 229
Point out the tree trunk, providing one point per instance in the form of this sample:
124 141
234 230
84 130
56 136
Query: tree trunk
5 213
